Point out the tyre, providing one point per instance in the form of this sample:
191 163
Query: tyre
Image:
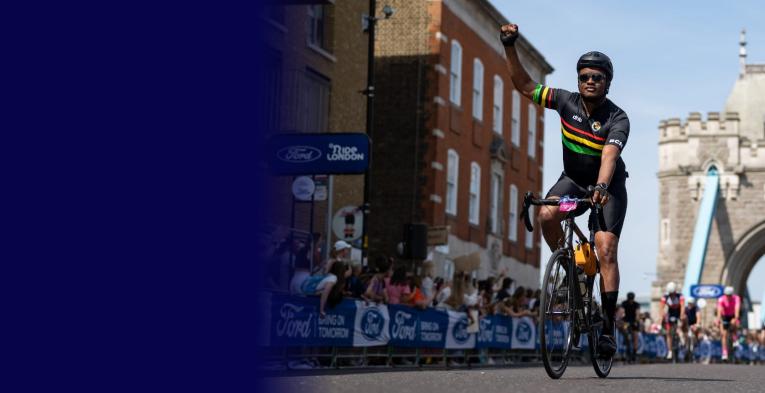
556 315
596 318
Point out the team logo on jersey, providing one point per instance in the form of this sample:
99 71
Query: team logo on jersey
577 118
596 126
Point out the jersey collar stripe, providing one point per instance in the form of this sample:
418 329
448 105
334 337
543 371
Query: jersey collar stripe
583 141
580 149
572 128
549 98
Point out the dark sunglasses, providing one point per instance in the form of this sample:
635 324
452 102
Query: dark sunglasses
597 78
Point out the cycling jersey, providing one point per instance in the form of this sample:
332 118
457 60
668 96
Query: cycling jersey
584 137
691 312
630 310
674 303
728 304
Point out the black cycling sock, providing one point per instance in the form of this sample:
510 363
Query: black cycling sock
609 306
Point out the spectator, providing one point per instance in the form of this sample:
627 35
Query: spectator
515 306
504 291
398 290
427 279
443 291
456 299
534 303
354 287
330 286
376 288
341 251
418 298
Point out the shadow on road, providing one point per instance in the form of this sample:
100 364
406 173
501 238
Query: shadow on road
667 379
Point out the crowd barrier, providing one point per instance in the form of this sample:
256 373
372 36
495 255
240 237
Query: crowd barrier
293 321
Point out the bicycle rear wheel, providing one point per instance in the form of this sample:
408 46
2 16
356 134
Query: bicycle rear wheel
596 317
556 315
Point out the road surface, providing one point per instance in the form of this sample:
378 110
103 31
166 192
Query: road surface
655 378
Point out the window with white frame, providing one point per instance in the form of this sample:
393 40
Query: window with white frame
452 175
530 235
497 109
665 231
477 89
532 150
496 189
512 218
455 90
475 193
317 25
515 131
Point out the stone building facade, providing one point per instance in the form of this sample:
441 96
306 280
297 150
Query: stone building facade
734 143
454 143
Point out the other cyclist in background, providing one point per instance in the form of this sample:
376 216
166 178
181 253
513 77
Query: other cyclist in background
594 132
674 303
728 313
632 324
690 324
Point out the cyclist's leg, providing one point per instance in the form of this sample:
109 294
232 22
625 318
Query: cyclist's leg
607 244
550 216
724 337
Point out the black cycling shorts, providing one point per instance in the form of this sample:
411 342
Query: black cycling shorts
613 212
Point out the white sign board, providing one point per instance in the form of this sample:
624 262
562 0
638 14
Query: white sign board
347 224
303 188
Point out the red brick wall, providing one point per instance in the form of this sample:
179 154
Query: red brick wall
471 138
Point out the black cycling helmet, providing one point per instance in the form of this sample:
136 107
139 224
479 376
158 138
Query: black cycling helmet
631 295
596 59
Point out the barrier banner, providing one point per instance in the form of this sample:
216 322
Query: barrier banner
370 326
649 345
524 333
661 347
457 336
294 321
495 332
433 327
404 326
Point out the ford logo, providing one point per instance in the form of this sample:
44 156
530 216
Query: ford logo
298 154
372 323
523 333
706 291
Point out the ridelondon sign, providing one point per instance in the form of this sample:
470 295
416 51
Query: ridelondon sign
326 153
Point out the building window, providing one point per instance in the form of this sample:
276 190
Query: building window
530 235
512 219
497 112
452 176
475 193
496 189
455 90
665 231
478 89
532 131
515 135
317 26
315 96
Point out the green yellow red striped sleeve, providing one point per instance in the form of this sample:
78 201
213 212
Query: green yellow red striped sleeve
544 96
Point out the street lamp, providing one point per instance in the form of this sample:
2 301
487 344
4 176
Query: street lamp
370 93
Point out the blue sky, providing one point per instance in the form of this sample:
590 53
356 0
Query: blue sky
670 58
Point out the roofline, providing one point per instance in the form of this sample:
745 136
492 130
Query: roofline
501 20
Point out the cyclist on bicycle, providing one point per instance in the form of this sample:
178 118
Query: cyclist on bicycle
728 312
594 132
674 302
632 323
690 324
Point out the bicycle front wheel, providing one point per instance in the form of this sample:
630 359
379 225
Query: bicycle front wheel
596 316
556 315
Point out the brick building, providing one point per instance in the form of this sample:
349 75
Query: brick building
454 143
317 64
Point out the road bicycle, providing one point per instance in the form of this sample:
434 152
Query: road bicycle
571 302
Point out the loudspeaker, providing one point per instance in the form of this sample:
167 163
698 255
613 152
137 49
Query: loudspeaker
415 241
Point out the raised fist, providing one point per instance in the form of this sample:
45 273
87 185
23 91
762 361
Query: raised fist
508 34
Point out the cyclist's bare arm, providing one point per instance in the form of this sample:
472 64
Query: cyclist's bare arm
521 79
